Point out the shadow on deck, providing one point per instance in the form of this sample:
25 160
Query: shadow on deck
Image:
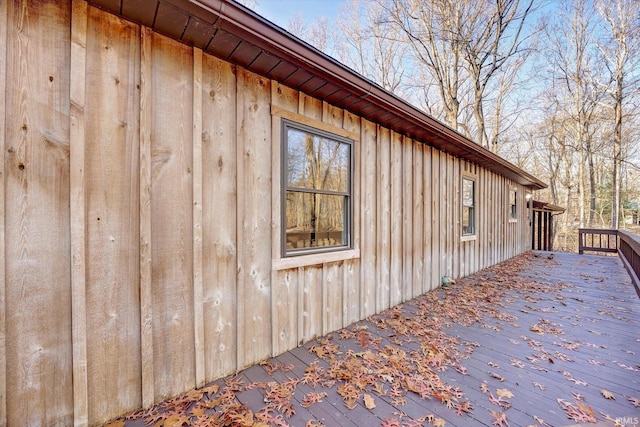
538 340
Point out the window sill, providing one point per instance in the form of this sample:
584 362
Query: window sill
512 221
469 238
314 259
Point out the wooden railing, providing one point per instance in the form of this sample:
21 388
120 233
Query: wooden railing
591 239
626 244
630 255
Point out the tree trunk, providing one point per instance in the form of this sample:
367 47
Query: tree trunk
617 154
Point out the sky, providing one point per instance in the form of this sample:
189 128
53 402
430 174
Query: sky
280 12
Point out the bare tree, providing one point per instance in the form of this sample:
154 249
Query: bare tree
464 45
620 48
572 68
434 31
375 48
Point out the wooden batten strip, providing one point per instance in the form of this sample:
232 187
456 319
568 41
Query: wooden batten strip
198 284
146 301
4 23
78 210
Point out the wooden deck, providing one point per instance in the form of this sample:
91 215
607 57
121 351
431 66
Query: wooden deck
530 342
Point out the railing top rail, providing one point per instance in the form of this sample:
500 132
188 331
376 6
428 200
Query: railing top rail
598 231
631 239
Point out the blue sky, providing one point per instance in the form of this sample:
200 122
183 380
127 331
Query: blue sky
280 12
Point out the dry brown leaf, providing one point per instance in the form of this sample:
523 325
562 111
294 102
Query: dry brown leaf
369 402
314 423
117 423
503 392
634 401
496 376
607 394
541 421
484 388
439 422
499 419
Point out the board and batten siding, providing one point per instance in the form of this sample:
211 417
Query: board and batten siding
141 218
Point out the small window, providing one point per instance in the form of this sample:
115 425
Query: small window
316 206
468 206
513 203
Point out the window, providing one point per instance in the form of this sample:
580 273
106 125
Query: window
513 202
468 206
316 205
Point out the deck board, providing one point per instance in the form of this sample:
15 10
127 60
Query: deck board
590 340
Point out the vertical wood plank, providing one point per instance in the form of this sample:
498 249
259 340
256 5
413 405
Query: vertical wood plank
445 200
146 299
111 167
418 220
284 294
427 190
351 268
456 201
333 278
254 218
302 314
38 339
285 310
219 247
4 23
77 214
436 185
407 219
383 219
310 107
451 195
312 302
368 216
397 190
172 217
198 280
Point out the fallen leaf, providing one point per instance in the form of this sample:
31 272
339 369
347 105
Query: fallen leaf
118 423
503 392
493 365
499 419
496 376
439 422
484 388
634 401
369 403
540 386
541 421
607 394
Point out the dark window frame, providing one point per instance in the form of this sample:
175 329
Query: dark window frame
513 204
285 188
471 228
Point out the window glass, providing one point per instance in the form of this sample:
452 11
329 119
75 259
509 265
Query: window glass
468 206
317 190
513 197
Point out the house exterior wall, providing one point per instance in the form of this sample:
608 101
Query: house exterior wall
141 206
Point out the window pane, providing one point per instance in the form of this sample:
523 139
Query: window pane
467 221
467 192
315 220
316 162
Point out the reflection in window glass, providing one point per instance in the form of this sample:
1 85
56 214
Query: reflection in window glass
468 206
317 190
